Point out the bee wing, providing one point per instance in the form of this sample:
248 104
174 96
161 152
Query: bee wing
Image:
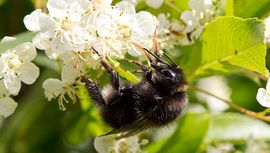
131 129
134 128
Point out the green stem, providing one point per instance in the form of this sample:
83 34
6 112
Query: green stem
265 112
234 106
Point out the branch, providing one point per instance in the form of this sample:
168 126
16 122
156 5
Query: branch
234 106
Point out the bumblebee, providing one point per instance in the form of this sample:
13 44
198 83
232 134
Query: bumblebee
158 99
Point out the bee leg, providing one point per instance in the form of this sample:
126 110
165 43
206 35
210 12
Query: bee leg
114 75
143 67
137 71
94 91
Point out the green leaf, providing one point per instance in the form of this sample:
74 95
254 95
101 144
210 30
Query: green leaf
156 146
234 126
189 135
43 60
192 58
229 10
20 38
241 96
232 41
2 2
86 122
251 8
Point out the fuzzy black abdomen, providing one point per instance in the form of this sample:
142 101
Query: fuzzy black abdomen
119 112
169 109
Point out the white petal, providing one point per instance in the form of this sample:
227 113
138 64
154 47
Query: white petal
104 144
127 7
268 85
60 45
7 106
31 21
77 8
267 30
7 39
37 21
154 3
146 22
29 72
263 97
57 8
190 20
13 84
3 89
51 54
163 21
77 37
41 42
2 66
52 88
70 73
26 51
200 5
197 32
102 3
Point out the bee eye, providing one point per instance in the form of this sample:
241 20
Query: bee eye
168 73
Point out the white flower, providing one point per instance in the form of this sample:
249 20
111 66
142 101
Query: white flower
267 30
107 144
16 66
7 104
220 148
154 3
63 89
216 85
61 30
256 145
200 5
76 26
202 11
263 95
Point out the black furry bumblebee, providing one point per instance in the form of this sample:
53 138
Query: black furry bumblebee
158 99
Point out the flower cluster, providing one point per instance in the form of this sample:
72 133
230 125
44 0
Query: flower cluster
218 86
72 28
15 67
81 24
192 22
202 11
107 144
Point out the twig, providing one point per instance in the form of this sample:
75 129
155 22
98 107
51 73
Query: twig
234 106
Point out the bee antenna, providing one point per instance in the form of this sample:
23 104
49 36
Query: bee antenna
146 52
168 57
158 58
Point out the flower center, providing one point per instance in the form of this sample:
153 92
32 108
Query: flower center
13 61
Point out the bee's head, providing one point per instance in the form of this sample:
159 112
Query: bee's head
168 75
